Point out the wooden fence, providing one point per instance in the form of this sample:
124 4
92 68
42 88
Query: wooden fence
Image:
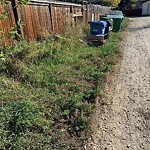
94 11
41 16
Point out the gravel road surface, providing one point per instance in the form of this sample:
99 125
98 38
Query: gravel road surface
125 123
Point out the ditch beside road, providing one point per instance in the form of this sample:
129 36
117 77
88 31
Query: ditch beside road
124 122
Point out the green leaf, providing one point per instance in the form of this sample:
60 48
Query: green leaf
3 2
66 112
20 23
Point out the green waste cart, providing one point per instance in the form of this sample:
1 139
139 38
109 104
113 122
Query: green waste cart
117 23
103 18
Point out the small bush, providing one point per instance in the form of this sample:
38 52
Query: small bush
21 116
18 118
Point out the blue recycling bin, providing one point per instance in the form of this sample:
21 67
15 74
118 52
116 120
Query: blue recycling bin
97 27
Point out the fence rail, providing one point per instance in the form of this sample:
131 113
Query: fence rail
41 16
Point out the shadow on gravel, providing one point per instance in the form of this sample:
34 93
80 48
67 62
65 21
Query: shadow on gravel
138 16
139 28
146 115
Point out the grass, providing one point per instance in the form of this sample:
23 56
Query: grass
48 91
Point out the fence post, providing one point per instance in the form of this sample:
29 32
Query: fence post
17 17
93 12
72 18
85 11
50 11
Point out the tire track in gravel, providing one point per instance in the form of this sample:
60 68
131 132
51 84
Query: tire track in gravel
125 123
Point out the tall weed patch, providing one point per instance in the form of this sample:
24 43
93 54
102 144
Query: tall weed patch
48 90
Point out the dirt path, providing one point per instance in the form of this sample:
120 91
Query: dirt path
125 123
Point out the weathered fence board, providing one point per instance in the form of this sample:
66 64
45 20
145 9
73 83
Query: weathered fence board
60 18
6 24
94 11
36 20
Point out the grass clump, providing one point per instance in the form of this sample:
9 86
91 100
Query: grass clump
48 91
20 116
16 120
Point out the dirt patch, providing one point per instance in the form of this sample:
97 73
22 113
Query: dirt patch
124 122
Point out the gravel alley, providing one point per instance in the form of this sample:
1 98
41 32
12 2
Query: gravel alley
125 123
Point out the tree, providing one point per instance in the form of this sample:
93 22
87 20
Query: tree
127 4
114 3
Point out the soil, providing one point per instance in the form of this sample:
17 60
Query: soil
123 123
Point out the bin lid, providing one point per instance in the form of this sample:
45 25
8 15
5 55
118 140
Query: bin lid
118 17
103 23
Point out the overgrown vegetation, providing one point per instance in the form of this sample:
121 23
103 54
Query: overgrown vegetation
48 91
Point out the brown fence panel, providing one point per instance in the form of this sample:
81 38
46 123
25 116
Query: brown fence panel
64 16
94 11
36 18
85 12
90 12
79 13
6 24
60 17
